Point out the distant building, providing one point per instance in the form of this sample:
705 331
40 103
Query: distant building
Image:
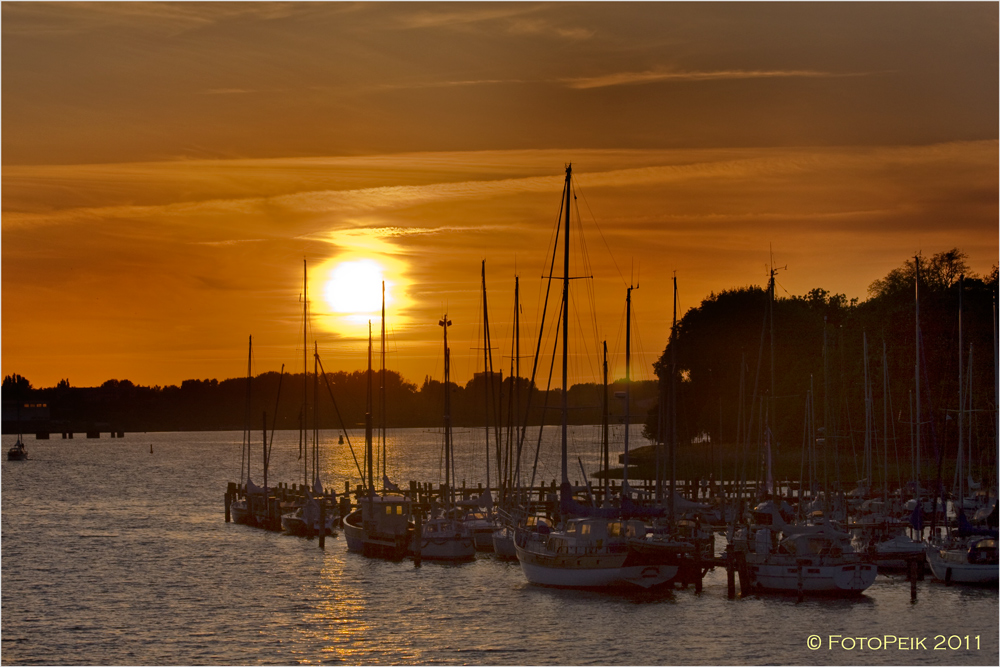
26 411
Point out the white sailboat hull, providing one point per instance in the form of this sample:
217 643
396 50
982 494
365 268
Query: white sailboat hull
449 548
595 570
776 573
954 567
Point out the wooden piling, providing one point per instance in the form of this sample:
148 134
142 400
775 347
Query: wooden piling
697 564
912 567
417 537
744 573
730 573
229 500
801 595
322 524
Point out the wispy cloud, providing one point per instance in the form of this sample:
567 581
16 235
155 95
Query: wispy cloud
657 76
463 15
230 91
230 242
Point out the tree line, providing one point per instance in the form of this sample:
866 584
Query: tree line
746 362
335 400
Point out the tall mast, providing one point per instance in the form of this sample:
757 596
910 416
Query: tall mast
868 416
445 323
673 406
303 440
381 391
315 412
517 371
916 362
368 420
770 402
487 375
565 349
604 427
628 378
885 425
961 403
247 430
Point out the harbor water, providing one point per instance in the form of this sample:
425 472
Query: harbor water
115 551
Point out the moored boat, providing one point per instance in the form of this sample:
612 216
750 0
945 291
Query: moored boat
445 539
974 562
808 559
17 452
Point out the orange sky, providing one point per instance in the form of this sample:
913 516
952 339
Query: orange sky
167 167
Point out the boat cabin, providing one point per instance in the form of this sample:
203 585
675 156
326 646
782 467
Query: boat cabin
385 515
984 552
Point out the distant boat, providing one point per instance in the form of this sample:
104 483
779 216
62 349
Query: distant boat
17 452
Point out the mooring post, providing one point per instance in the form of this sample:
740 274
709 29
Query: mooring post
730 573
912 566
697 564
741 564
322 524
801 592
417 537
229 500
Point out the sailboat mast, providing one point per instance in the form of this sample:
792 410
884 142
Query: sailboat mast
628 379
604 427
368 420
517 371
381 397
961 402
868 416
487 374
916 362
673 405
885 426
565 333
445 323
315 411
303 428
246 429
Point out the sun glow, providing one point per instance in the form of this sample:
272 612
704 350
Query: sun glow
354 289
351 284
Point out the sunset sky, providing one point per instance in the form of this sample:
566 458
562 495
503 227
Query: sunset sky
167 168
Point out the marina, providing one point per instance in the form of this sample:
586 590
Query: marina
500 334
132 562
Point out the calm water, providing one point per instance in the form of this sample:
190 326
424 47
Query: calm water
114 555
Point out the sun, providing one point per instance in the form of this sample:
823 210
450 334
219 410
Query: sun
354 289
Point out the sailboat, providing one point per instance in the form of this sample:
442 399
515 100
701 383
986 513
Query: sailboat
17 452
597 547
381 526
304 520
970 557
245 510
801 557
446 537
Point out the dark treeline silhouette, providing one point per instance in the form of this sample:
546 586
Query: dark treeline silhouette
729 335
222 405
